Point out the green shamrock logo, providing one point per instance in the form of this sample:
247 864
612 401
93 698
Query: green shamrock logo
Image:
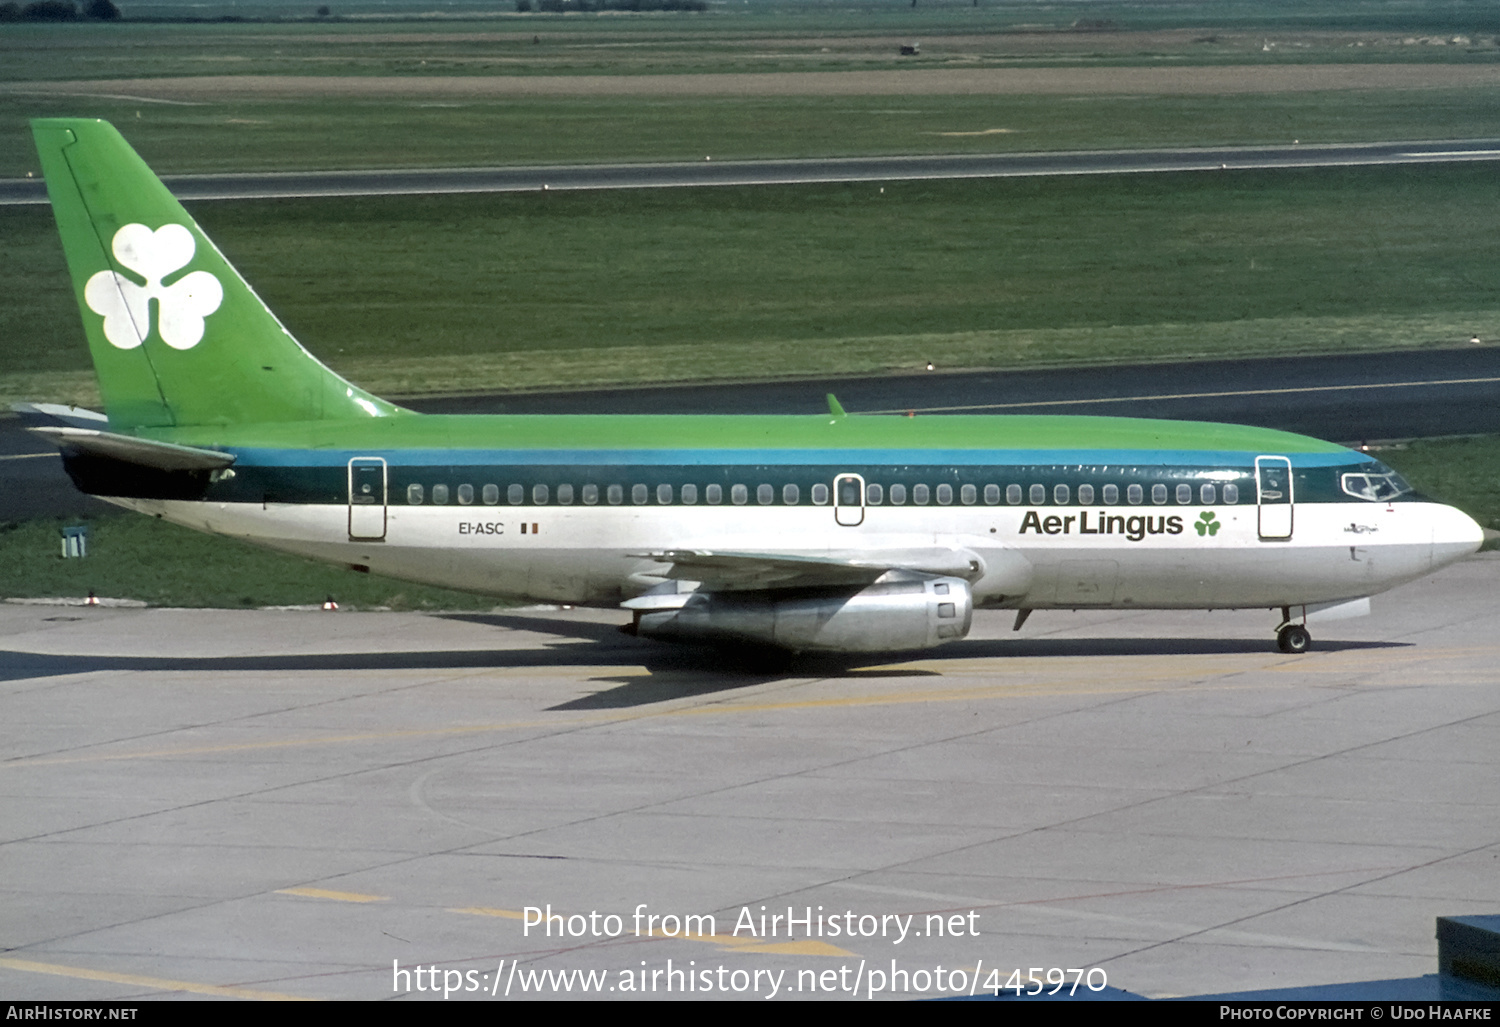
1207 524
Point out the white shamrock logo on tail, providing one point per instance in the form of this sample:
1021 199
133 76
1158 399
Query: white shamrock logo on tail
126 306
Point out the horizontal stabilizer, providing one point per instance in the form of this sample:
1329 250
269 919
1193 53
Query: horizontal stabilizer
163 456
718 571
37 414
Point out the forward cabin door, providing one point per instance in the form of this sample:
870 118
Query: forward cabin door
367 487
1273 488
849 500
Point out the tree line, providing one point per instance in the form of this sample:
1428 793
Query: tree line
59 10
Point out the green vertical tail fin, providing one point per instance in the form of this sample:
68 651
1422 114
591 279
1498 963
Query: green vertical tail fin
176 335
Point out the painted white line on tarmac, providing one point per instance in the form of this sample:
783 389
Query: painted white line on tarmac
1193 395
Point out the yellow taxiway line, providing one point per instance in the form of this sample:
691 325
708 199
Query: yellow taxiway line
149 983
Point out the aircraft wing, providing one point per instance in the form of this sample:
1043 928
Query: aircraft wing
742 571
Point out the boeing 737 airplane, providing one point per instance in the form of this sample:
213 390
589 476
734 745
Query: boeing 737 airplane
834 532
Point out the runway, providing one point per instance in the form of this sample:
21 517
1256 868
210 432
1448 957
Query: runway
267 804
709 172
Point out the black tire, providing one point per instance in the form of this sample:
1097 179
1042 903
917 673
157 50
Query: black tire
1293 639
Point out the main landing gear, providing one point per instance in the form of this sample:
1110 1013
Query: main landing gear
1292 638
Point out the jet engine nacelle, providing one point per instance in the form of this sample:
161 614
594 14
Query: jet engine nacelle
889 615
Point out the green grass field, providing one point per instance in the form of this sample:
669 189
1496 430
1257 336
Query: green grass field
135 557
1415 15
211 130
311 134
1463 472
414 295
759 35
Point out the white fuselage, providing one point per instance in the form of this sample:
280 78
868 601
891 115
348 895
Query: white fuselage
602 554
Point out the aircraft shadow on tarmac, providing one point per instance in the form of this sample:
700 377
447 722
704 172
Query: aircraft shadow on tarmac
679 673
672 672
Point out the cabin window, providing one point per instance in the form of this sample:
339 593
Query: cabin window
945 494
820 494
490 495
515 495
1158 494
664 495
1086 495
565 495
1111 495
991 495
690 494
714 494
1184 494
1038 495
874 495
1231 494
738 495
638 494
967 495
790 494
1013 494
590 495
440 494
466 494
1060 494
898 495
615 495
765 495
414 495
1207 494
540 494
1134 495
920 495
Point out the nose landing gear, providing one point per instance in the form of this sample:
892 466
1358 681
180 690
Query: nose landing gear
1291 638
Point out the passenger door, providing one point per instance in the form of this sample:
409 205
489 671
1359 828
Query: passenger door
367 488
1273 489
849 500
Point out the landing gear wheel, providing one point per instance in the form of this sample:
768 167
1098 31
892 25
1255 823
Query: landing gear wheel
1293 638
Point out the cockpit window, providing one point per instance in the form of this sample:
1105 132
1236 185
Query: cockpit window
1376 488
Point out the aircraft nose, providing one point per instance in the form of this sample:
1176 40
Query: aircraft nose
1454 536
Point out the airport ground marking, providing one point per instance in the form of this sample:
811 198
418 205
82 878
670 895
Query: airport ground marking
726 942
337 896
504 914
958 903
1396 872
1147 681
808 947
153 983
813 947
202 750
947 695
